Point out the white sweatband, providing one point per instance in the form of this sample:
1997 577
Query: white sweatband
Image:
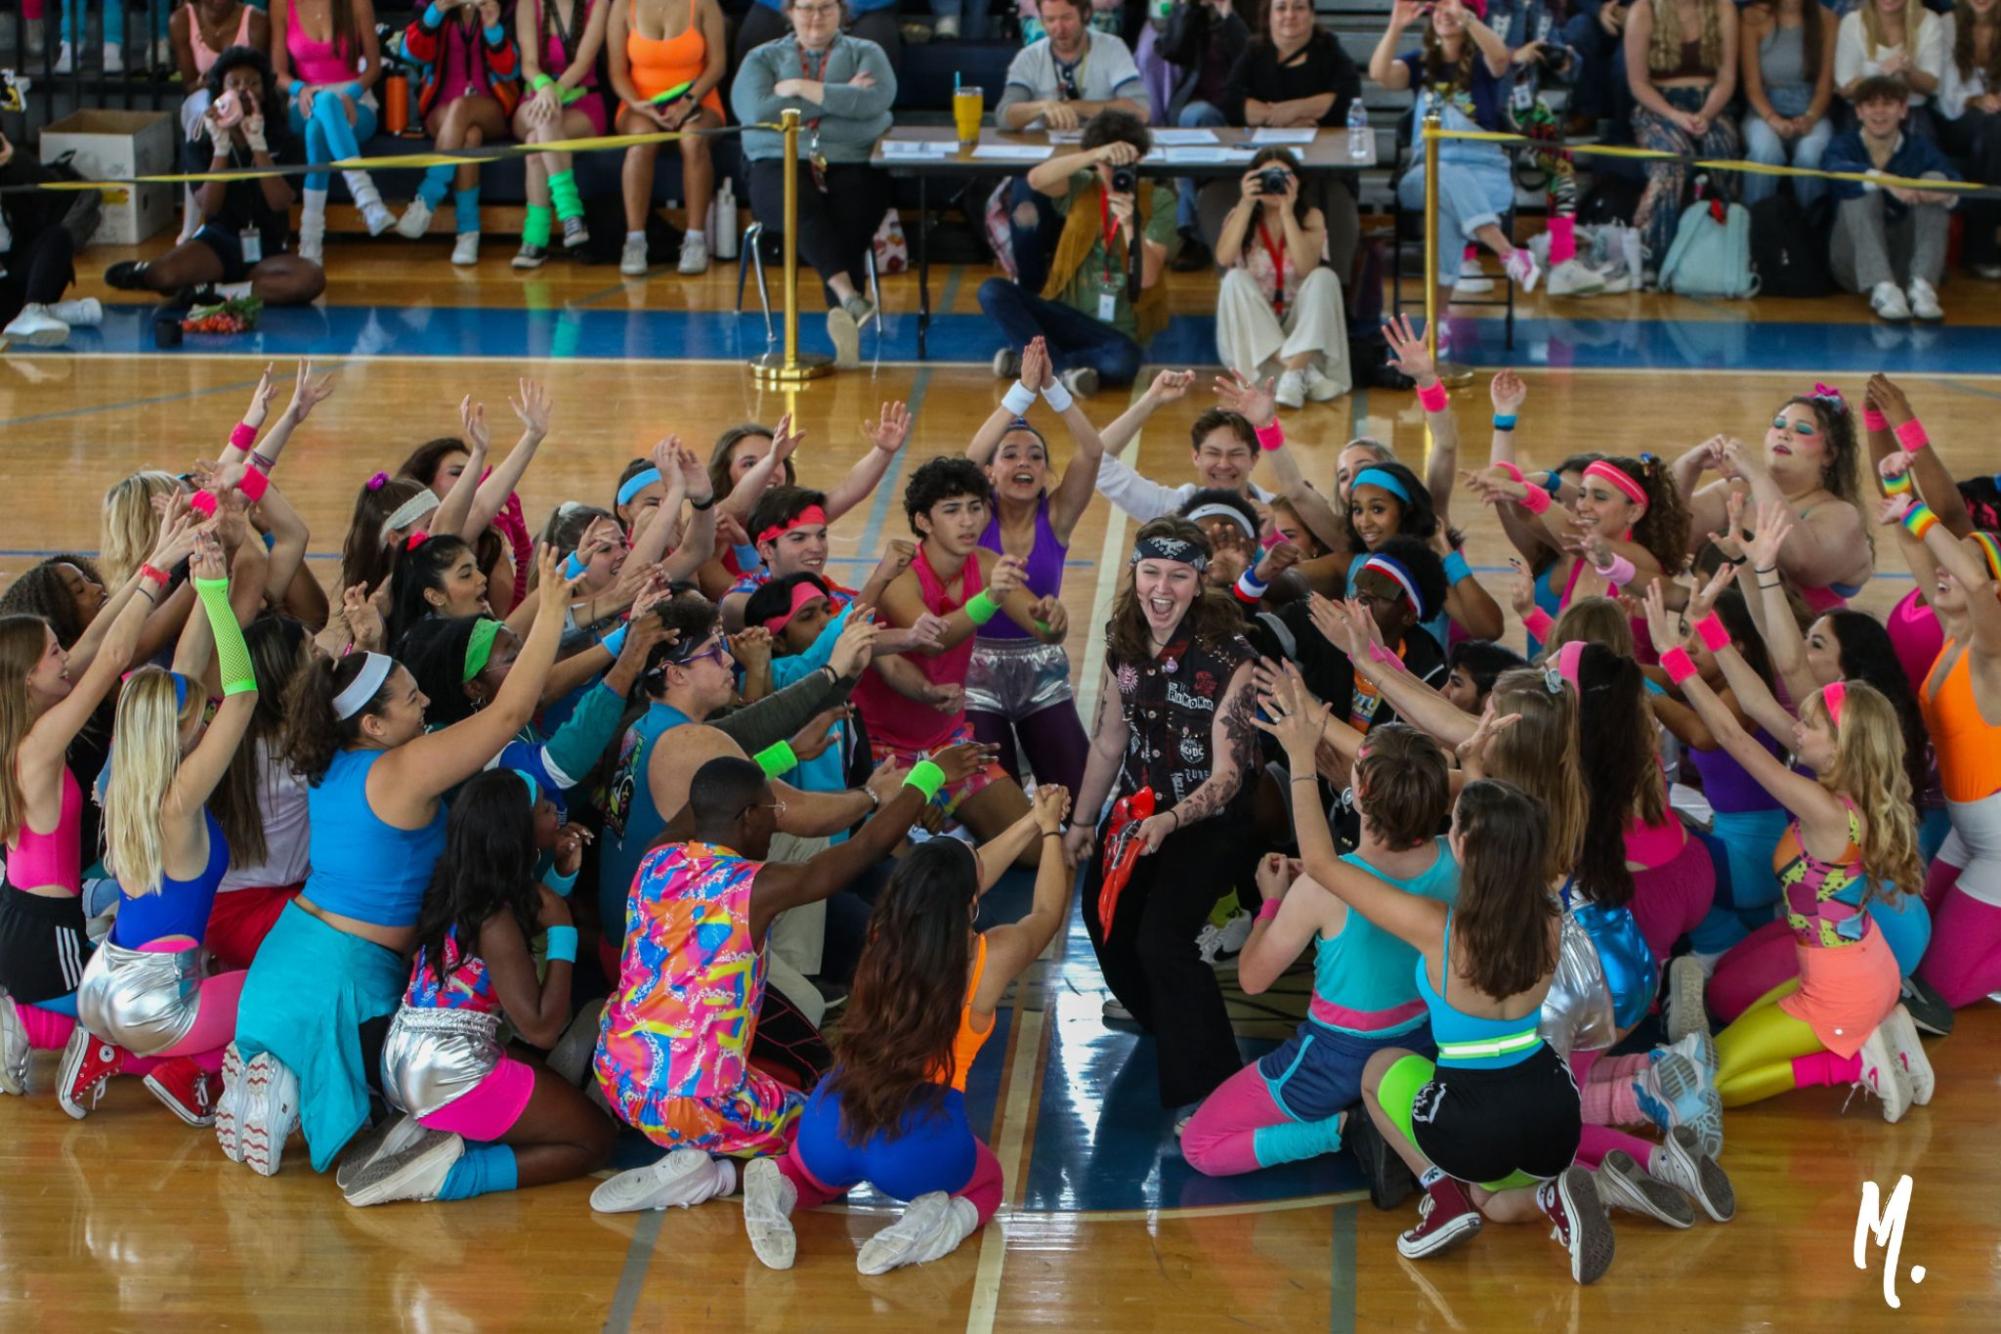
1056 396
1218 510
411 510
375 670
1018 399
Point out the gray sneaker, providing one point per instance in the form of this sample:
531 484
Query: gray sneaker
1624 1184
417 1171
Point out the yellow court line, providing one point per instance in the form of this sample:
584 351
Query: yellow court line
1031 1027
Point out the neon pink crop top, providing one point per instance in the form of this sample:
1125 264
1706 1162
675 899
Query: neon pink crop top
315 62
36 861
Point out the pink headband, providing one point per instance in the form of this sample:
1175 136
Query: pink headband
1567 659
811 514
1832 698
1614 477
803 592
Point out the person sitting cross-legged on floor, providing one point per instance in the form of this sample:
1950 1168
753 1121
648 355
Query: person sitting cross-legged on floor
1882 231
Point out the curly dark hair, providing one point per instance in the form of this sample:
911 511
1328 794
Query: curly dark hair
312 733
40 591
1212 618
1111 127
1663 529
1419 516
943 478
418 570
1837 427
277 127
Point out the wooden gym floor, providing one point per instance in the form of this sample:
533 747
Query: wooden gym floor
128 1217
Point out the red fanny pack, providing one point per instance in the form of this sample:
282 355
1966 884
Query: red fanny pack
1122 849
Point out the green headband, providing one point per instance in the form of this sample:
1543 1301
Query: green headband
480 647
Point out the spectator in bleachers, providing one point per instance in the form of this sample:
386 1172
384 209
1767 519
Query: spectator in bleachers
466 93
1292 76
871 20
1876 38
560 41
329 84
1057 83
690 54
200 31
842 86
1278 303
1788 64
1969 108
1105 16
1881 232
1102 295
1204 41
76 26
40 233
1681 61
1463 57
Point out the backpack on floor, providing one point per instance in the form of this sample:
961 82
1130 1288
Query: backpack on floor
1789 247
1611 198
1711 254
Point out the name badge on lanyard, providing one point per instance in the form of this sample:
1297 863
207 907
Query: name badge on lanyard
252 242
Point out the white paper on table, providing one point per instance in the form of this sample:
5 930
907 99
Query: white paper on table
919 148
1066 136
1204 155
1167 138
1272 135
1013 152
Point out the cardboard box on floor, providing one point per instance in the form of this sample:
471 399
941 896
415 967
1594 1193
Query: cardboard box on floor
118 145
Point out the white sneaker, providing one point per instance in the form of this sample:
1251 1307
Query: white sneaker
269 1106
930 1229
632 260
1081 381
1883 1075
1574 277
1214 942
1472 283
1624 1184
1291 391
377 216
1007 364
415 1172
1681 1162
392 1134
37 326
694 252
1901 1033
14 1050
229 1107
65 59
681 1180
1321 388
312 239
465 250
1888 303
1115 1011
1686 1013
416 220
114 58
1521 267
83 313
768 1199
1924 301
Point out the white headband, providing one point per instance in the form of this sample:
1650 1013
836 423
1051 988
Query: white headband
374 671
1218 510
411 510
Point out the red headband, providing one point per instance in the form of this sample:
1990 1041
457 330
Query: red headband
415 540
1832 697
811 514
1616 477
803 592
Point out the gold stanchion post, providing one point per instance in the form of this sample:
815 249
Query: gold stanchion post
789 367
1432 124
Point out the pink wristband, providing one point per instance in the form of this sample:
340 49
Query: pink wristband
253 484
1514 473
1377 653
155 573
1714 636
1433 398
1873 420
1539 623
1619 573
1536 501
1911 435
1271 437
1678 665
1268 910
243 437
203 503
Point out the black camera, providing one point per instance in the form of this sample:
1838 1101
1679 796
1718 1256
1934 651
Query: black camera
1124 180
1271 181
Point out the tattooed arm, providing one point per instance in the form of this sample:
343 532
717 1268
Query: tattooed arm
1233 749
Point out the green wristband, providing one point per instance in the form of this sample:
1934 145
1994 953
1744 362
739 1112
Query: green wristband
981 607
777 759
926 777
540 81
232 655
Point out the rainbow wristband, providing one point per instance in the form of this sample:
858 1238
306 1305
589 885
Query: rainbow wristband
777 759
1506 423
1536 501
560 884
243 437
562 944
981 607
1873 420
1678 665
1911 435
1897 484
1457 571
1711 630
1271 436
927 778
1433 398
1920 521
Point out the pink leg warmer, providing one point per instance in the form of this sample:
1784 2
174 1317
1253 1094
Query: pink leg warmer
1562 239
1601 1140
1753 966
46 1030
1825 1069
1222 1139
1963 962
812 1191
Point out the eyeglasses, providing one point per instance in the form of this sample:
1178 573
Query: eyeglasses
719 649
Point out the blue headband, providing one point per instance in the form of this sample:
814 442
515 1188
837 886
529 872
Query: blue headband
180 692
636 483
1382 481
534 788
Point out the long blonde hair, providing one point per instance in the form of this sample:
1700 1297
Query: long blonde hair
1872 27
1868 769
1539 756
131 524
145 755
1665 43
23 640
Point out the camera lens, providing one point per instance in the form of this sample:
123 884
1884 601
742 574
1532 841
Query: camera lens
1123 180
1271 181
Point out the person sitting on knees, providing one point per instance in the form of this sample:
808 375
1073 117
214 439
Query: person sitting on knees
1278 302
1881 231
241 245
39 235
1103 293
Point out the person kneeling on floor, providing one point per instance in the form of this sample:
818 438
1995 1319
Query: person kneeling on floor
40 232
1882 230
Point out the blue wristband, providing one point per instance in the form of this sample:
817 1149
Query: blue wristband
1456 568
747 558
563 944
560 884
614 643
573 568
495 35
1506 423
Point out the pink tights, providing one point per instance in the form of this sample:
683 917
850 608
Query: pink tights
983 1191
1671 899
1605 1092
214 1029
1963 962
1753 966
49 1031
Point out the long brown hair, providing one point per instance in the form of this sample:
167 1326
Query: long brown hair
1963 56
1505 910
1663 529
1617 756
1459 74
277 647
1211 618
1539 755
893 1054
23 640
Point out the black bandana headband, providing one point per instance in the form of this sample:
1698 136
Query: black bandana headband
1170 548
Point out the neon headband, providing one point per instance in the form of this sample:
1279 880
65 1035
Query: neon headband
413 509
1218 510
1382 481
1991 549
374 671
180 688
1617 480
636 483
479 648
1391 569
534 788
1833 698
811 514
803 592
1170 548
1568 658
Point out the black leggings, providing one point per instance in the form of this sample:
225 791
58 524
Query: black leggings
836 226
1052 740
1976 138
40 268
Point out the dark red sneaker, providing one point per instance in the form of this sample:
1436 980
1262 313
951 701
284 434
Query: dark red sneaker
1581 1224
1445 1216
88 1061
185 1089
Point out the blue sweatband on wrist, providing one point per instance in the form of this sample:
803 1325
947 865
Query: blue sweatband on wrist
747 558
561 884
495 35
574 567
614 643
1506 423
1456 568
563 944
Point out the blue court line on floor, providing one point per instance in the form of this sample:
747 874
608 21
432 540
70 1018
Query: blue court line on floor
1341 1295
186 396
631 1278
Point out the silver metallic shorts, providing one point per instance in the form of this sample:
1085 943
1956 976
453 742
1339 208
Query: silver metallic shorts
432 1058
142 1000
1016 677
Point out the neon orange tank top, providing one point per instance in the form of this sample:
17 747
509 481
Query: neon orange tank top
966 1045
659 63
1969 758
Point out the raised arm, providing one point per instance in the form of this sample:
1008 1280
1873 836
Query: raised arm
533 408
1384 67
205 765
1278 939
1409 355
886 434
1012 948
1350 627
1822 547
1257 403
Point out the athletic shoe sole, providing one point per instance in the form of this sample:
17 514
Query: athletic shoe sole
229 1107
774 1242
914 1239
846 337
667 1183
393 1134
269 1110
1927 1008
14 1050
171 1101
1706 1183
1625 1185
1902 1033
1686 1014
1692 1098
1590 1229
395 1176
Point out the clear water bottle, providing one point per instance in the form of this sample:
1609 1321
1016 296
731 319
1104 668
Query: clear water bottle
1360 139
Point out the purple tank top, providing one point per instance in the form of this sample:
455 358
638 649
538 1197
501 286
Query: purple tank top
1045 566
1729 788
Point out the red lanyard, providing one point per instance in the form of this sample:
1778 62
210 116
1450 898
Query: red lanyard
1277 253
814 74
1109 229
